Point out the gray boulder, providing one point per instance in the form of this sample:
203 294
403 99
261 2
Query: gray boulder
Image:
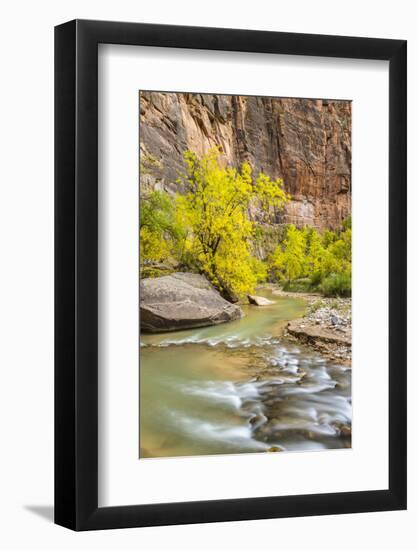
181 301
259 300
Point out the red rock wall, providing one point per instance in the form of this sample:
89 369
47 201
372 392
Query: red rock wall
305 142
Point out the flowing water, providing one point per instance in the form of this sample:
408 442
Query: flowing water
240 387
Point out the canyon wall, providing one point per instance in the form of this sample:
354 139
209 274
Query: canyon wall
306 142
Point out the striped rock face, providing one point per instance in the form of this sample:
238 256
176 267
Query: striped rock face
306 142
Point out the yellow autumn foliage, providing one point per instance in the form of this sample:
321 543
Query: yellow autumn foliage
206 227
215 209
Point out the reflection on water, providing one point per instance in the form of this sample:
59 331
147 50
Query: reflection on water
238 387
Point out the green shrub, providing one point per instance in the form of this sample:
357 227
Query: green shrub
337 284
316 278
298 285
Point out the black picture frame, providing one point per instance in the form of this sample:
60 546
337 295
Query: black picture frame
76 272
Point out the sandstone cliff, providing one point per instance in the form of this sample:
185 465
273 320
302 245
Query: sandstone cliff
306 142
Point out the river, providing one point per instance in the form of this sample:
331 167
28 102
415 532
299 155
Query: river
240 387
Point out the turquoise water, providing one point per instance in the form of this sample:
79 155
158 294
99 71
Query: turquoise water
240 387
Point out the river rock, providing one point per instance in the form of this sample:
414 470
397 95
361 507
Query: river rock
310 333
182 301
344 430
259 300
274 449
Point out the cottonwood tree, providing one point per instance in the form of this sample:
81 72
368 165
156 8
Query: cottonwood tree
215 208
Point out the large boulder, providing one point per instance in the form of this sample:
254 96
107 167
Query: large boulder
259 300
181 301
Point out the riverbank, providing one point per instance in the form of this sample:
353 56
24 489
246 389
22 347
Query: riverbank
326 325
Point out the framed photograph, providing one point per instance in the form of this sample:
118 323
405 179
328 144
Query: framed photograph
230 285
